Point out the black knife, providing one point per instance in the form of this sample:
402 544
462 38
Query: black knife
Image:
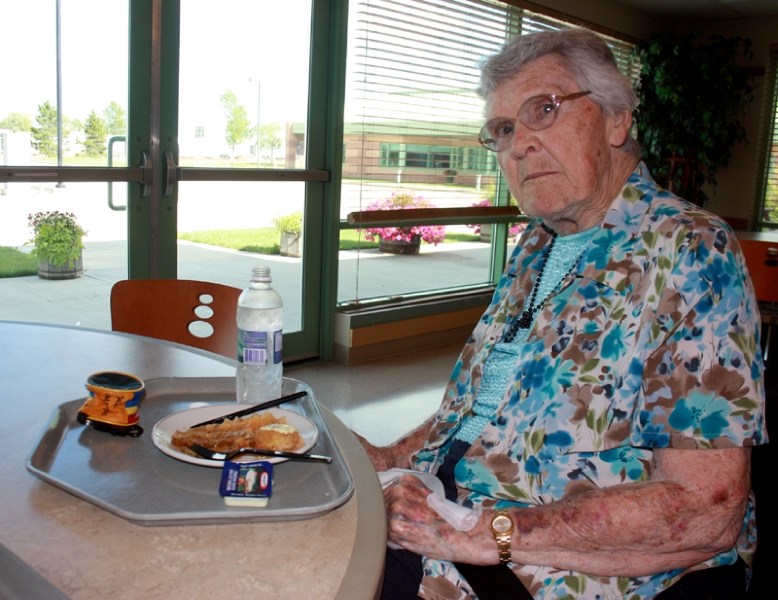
252 409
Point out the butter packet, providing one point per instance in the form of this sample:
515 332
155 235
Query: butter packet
246 483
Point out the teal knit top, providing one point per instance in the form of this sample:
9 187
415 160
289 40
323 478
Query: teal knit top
564 256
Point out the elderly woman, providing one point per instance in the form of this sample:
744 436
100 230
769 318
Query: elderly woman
599 420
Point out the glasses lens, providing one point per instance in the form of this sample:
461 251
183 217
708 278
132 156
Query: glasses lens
496 135
538 112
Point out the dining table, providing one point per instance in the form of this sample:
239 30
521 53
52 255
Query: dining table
55 543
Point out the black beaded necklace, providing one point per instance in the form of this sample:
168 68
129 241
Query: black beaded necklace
524 320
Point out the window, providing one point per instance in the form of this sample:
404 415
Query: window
199 132
425 157
769 187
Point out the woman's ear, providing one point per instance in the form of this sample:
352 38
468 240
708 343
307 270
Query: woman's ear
620 124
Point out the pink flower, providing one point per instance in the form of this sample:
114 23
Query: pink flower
431 234
514 229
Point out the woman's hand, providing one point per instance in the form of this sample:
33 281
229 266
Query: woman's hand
399 453
382 457
415 526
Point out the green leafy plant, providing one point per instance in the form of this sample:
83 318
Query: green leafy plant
57 237
292 223
692 95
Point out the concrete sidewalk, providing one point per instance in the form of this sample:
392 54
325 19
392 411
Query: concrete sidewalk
84 301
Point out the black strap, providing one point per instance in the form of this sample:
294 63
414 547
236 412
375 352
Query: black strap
445 471
726 582
493 582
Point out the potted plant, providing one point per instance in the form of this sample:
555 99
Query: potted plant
291 229
58 241
692 95
403 239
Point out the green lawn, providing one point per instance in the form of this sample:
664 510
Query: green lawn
14 263
262 240
265 240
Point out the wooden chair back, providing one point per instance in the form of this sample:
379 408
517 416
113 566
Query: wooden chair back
196 313
762 260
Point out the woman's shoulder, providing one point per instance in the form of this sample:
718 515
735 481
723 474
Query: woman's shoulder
666 210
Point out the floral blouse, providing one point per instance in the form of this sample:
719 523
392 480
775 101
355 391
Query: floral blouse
653 342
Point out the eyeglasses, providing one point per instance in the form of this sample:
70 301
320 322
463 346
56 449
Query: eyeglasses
536 113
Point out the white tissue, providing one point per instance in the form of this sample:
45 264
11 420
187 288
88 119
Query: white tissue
459 517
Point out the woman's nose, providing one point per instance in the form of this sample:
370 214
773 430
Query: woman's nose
524 141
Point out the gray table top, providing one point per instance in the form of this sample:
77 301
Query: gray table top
60 540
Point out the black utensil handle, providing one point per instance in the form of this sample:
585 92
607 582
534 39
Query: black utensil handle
296 456
253 409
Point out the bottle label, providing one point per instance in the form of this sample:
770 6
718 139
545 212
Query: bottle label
260 347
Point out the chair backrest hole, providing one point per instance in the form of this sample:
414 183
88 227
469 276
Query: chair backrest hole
200 329
203 312
205 298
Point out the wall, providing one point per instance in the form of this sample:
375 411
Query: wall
364 335
607 14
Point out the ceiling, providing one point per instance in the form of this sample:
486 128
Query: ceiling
709 9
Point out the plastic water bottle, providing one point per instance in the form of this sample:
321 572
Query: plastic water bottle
260 331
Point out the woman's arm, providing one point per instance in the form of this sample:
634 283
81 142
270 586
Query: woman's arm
690 510
397 454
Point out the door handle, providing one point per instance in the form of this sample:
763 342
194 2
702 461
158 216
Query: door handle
147 171
171 173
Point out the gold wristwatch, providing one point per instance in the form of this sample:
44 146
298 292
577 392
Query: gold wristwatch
502 528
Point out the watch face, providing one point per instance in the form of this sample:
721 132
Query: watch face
502 524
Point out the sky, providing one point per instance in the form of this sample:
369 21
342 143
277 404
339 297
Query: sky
245 45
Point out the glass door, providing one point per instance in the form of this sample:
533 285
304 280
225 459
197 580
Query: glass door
63 105
202 112
244 183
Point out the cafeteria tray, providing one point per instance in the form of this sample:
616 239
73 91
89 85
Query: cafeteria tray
132 478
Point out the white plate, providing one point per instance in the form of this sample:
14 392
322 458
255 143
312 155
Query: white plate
165 428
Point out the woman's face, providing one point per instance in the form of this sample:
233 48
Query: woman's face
566 174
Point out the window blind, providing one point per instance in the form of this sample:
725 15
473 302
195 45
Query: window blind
770 176
411 113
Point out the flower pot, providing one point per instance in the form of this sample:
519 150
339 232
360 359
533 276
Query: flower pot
290 244
67 271
411 246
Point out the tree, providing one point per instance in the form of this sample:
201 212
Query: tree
44 137
69 125
115 119
16 122
238 126
693 94
270 138
95 132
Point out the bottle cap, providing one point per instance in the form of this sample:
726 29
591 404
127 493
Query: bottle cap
261 274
